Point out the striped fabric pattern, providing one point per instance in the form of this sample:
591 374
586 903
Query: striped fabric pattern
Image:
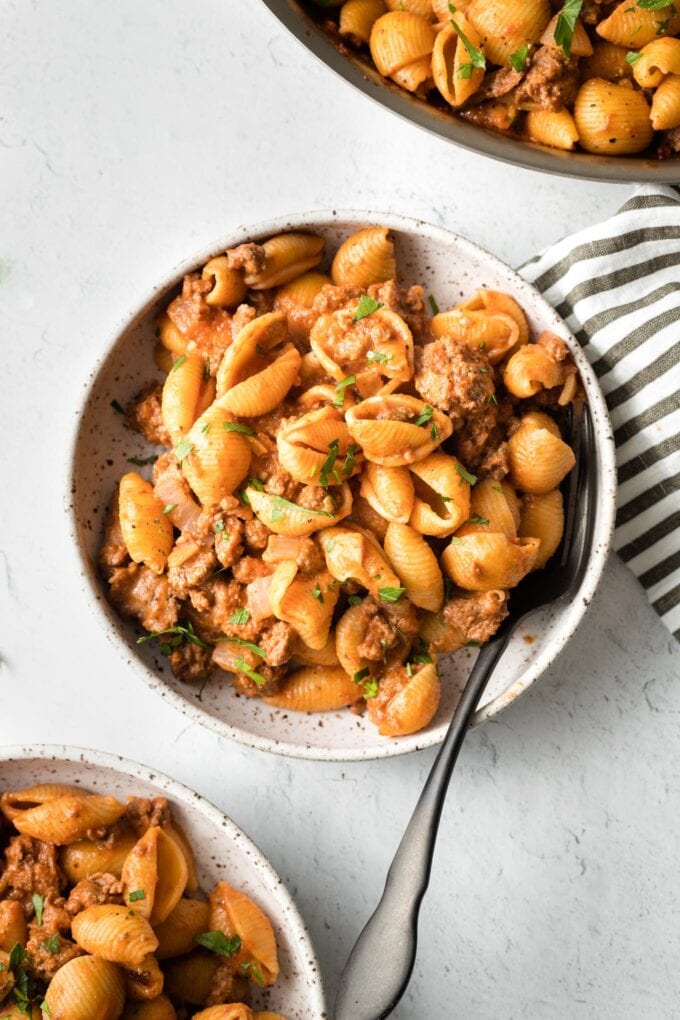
617 285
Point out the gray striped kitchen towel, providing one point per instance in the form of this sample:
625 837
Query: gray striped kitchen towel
617 285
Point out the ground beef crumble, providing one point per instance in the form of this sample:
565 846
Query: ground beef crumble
144 415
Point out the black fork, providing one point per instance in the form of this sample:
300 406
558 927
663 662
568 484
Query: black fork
380 965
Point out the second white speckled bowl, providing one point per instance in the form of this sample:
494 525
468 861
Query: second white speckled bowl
223 853
451 268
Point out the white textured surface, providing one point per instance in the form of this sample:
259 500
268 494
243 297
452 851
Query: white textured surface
131 133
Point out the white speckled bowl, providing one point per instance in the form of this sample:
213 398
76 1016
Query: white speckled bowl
223 853
451 268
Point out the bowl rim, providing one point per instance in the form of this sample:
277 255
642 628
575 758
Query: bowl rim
504 148
192 709
190 800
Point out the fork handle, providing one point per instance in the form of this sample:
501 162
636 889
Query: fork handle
380 964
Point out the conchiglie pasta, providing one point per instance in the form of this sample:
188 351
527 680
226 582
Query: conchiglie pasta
251 349
190 978
607 61
14 802
306 656
612 119
114 933
539 459
412 707
665 112
555 128
286 518
229 287
316 689
155 875
176 934
357 18
531 369
368 349
451 61
305 444
215 456
306 602
495 507
233 1011
389 490
505 25
147 533
421 7
480 561
494 331
88 857
156 1009
442 495
655 60
286 257
301 292
170 336
69 818
401 46
245 919
355 553
543 518
378 426
86 988
366 257
186 394
416 565
579 44
349 633
495 301
631 26
145 981
13 930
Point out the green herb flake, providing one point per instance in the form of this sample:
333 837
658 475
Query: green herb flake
242 666
520 58
316 593
38 904
52 944
329 462
339 398
169 507
477 519
218 942
279 505
360 675
136 894
255 649
654 5
355 600
378 356
425 415
566 23
477 58
183 450
390 594
465 475
255 483
371 688
433 305
255 973
237 426
367 305
143 461
492 399
180 633
205 428
240 617
180 361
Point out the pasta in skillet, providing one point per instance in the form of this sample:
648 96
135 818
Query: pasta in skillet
599 75
353 484
101 917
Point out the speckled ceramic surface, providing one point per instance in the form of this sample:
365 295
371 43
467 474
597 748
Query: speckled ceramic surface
361 73
451 268
222 851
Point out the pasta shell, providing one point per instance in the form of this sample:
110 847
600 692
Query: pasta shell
301 292
284 518
306 443
580 45
265 390
13 930
442 495
326 656
485 560
292 600
632 26
556 128
365 257
163 358
416 565
543 518
114 933
253 927
233 1011
495 503
189 978
248 353
612 119
286 257
394 442
157 1009
214 458
355 553
412 708
67 819
398 39
86 988
186 393
176 934
18 1012
421 7
415 77
368 348
539 460
607 61
666 104
316 689
14 802
170 336
451 60
349 633
495 332
155 867
530 370
147 532
505 25
657 59
496 301
389 490
87 857
229 286
357 18
144 982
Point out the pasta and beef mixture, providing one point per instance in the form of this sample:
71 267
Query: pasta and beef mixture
599 75
101 916
354 478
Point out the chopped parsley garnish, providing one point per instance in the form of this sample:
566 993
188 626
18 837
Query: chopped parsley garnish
316 593
566 23
477 519
348 466
183 450
255 649
236 426
256 484
240 617
255 973
390 594
117 407
329 463
242 666
420 654
655 5
280 505
364 679
143 461
180 361
218 942
187 634
24 990
497 488
339 399
492 399
433 305
38 904
632 57
205 428
465 475
360 675
52 944
206 369
472 644
367 305
520 58
455 539
136 894
371 688
425 416
477 58
169 507
378 356
355 600
218 527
